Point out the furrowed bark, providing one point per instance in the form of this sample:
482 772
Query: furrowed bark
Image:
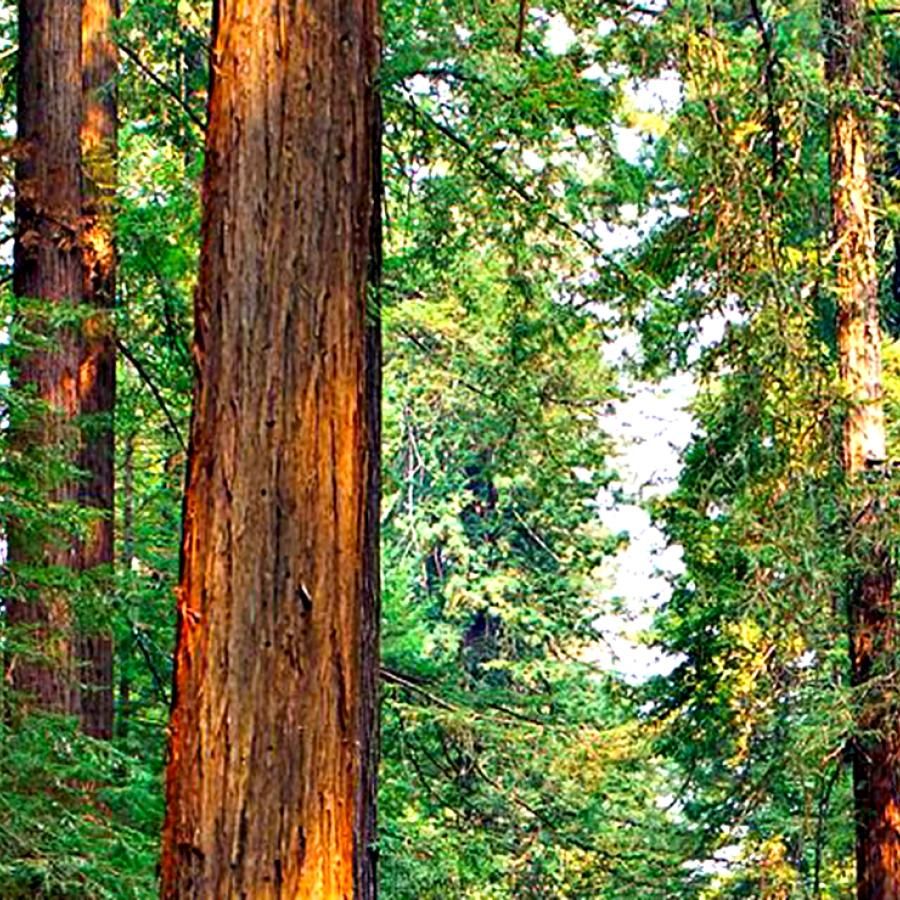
270 771
97 372
47 267
873 643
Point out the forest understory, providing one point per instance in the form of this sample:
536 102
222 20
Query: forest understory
449 449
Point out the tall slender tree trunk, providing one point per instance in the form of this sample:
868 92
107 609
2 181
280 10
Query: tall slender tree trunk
97 372
873 642
47 267
270 774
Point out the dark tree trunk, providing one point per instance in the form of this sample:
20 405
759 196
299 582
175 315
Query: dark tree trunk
47 268
876 748
97 372
270 774
366 852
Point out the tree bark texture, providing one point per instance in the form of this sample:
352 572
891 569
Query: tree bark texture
270 777
872 615
47 267
97 372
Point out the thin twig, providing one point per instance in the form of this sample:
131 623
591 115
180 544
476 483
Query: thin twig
413 684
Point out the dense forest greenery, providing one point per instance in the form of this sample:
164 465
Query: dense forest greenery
560 179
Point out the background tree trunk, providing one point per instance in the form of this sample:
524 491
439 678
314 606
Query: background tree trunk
269 773
97 372
876 750
47 267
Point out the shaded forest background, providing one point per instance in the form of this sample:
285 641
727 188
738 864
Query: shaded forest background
535 212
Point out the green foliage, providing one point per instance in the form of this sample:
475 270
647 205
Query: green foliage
511 766
759 713
78 817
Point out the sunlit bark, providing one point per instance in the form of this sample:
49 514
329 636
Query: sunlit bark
270 778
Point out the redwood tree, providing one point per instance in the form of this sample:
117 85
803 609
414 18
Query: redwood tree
47 272
876 745
269 787
97 372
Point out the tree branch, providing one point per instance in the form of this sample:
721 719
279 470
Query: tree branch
163 86
507 180
769 77
148 381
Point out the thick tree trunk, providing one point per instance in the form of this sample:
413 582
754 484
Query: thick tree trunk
270 757
97 372
871 608
47 267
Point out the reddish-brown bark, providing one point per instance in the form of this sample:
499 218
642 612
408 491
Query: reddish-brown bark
47 267
97 372
872 613
270 775
876 749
